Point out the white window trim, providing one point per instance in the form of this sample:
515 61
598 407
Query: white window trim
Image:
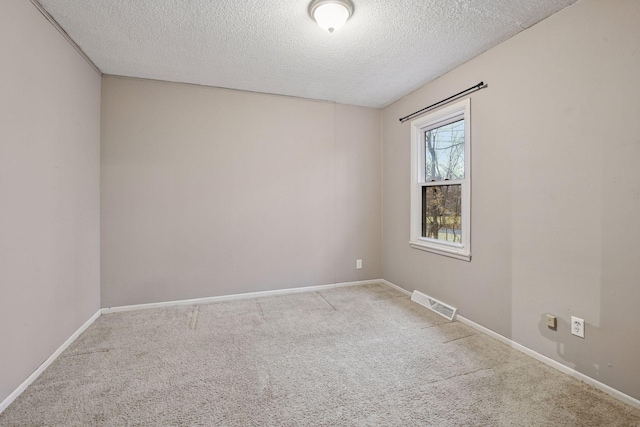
418 128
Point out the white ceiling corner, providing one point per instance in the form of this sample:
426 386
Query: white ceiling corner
385 51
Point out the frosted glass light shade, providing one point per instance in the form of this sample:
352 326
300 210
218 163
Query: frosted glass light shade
331 15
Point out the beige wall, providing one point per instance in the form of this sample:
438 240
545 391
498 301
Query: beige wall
49 191
556 191
211 192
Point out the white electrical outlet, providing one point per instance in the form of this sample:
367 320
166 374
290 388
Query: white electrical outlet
577 326
359 264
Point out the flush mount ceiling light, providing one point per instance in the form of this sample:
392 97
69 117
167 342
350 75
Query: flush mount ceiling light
331 15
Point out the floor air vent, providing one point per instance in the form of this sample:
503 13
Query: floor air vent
439 307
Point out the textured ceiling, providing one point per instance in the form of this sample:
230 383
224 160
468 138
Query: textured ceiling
386 50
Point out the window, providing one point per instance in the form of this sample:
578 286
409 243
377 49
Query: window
441 182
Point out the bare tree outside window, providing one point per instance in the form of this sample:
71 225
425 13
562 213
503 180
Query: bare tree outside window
442 208
444 161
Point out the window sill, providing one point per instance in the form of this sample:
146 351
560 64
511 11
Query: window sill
441 250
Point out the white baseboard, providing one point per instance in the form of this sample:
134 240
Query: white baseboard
396 287
625 398
207 300
22 387
529 352
554 364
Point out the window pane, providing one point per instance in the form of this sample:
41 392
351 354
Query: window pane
444 152
442 213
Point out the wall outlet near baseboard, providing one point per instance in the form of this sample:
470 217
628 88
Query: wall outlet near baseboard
359 264
577 326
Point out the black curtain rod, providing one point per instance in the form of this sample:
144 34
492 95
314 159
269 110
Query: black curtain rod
479 86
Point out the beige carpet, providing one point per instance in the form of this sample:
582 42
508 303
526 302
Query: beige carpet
357 356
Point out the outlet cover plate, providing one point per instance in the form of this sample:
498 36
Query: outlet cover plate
552 321
577 326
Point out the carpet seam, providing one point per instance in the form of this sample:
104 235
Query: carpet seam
193 322
261 310
460 338
325 300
